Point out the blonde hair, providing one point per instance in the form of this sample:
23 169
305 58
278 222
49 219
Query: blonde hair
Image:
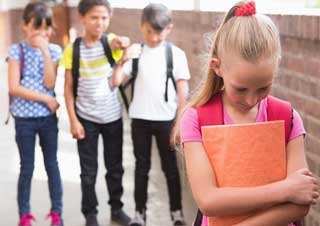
251 38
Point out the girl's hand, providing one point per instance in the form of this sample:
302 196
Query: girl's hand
52 103
120 42
77 130
303 187
40 42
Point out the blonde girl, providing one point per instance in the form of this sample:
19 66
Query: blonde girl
244 60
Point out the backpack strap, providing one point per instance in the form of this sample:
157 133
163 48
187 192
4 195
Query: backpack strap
134 73
22 61
107 50
75 65
112 62
280 110
211 113
169 71
169 60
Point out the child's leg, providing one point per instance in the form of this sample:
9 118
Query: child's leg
112 142
141 137
25 139
48 136
168 162
88 153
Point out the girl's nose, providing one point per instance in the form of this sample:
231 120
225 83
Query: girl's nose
252 100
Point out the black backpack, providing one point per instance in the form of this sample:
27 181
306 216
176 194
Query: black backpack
169 60
76 64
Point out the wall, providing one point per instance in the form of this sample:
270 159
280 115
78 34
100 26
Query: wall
299 74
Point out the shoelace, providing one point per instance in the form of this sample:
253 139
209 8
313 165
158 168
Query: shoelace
26 220
55 218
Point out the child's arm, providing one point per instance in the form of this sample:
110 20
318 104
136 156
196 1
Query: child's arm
215 201
15 89
288 212
133 51
49 66
182 93
77 129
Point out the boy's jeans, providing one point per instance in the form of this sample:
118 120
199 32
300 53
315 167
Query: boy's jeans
26 130
142 131
88 152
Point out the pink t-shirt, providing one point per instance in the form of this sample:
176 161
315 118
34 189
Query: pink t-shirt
190 128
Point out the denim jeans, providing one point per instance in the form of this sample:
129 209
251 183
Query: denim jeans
88 154
26 131
142 131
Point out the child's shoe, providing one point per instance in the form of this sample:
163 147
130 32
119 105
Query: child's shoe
177 218
55 219
26 219
138 220
120 217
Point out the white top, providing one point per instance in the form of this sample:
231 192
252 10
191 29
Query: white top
148 99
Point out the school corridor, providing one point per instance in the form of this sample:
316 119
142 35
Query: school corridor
158 209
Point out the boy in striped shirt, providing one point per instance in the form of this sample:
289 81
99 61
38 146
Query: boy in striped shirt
94 108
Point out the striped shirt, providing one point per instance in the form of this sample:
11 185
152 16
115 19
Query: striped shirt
95 101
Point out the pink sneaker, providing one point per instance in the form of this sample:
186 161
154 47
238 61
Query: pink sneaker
55 219
26 219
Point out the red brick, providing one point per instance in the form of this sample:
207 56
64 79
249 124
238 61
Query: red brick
312 67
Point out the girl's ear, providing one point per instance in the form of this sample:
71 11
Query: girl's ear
215 65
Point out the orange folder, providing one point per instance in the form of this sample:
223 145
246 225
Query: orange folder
245 155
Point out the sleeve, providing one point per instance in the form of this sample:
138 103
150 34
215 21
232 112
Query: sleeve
180 64
116 54
297 126
189 126
55 51
127 68
66 59
14 52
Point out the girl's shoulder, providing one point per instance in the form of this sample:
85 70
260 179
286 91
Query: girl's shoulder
14 51
189 126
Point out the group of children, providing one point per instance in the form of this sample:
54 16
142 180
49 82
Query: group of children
244 60
95 65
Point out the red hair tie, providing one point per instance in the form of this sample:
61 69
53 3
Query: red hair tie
246 9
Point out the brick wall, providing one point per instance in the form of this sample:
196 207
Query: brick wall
299 74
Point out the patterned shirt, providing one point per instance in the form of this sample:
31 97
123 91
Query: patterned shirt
95 100
32 79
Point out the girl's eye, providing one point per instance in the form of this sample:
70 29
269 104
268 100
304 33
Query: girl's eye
263 89
241 90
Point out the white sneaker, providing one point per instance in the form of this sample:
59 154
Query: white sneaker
177 218
138 220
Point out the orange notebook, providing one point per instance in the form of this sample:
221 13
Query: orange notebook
245 155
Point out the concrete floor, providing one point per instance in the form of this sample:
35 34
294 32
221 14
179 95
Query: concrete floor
158 210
